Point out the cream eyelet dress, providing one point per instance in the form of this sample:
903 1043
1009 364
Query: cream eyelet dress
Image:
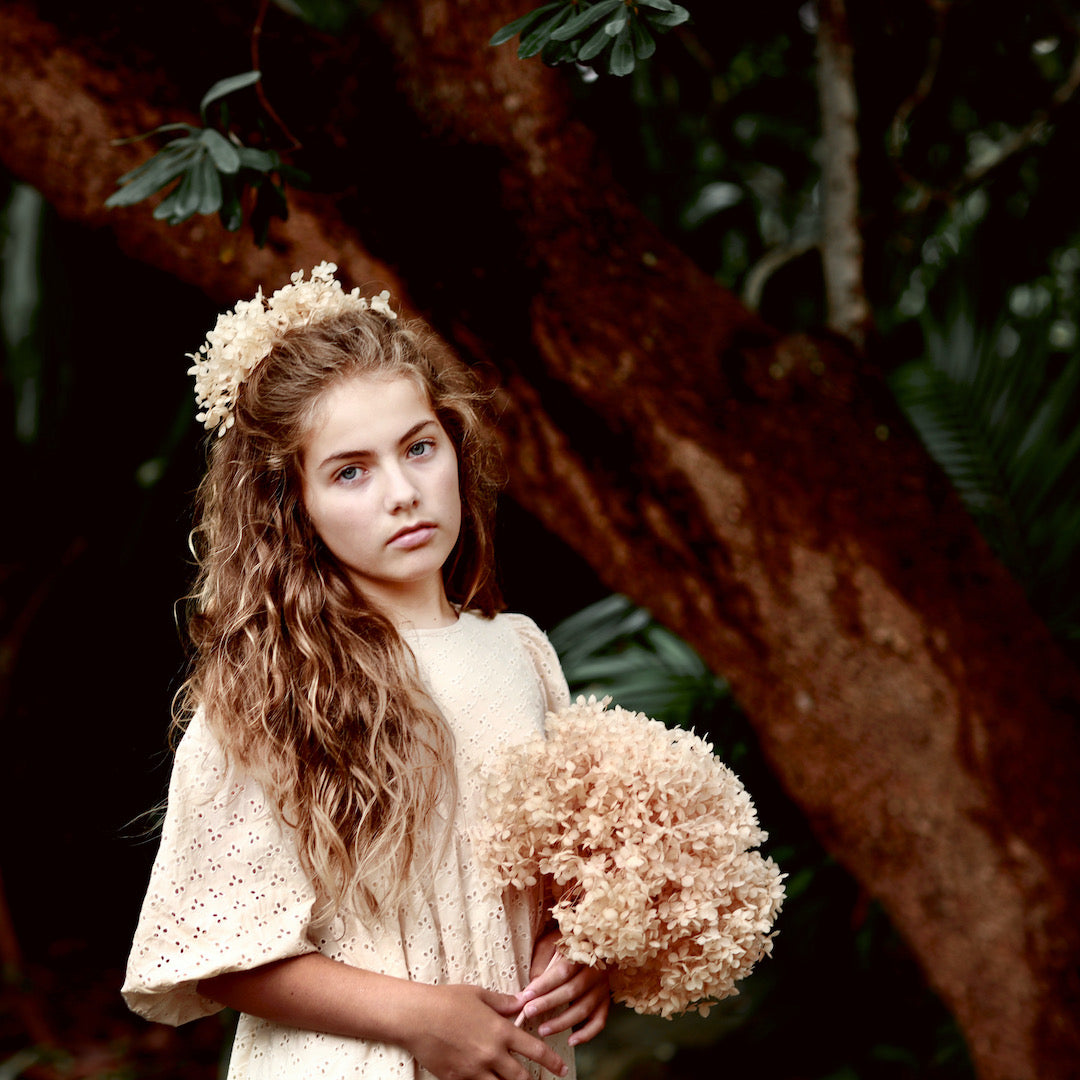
228 891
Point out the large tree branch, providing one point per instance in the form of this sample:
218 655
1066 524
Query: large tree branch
758 492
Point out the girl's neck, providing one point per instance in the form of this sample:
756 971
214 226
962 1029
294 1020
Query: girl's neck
415 608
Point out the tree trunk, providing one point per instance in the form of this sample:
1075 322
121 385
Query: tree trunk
757 492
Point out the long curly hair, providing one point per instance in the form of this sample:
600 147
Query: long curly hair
301 679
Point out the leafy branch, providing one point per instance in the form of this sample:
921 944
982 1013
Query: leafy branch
583 32
213 171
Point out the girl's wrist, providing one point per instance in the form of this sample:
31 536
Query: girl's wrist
406 1008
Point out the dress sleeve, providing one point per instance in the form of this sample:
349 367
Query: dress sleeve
227 891
545 660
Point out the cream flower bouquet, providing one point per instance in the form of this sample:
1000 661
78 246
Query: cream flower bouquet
646 838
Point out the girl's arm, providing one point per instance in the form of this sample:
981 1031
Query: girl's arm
456 1032
584 991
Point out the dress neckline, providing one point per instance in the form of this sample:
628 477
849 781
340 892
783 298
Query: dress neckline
430 631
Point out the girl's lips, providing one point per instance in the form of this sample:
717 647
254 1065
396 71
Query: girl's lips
412 537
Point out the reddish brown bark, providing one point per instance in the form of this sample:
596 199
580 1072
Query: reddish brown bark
757 492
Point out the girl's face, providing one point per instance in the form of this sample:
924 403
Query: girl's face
380 485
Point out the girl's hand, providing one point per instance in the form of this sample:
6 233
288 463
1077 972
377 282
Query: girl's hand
455 1032
584 991
464 1033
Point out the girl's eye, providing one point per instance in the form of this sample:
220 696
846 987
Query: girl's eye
350 473
421 448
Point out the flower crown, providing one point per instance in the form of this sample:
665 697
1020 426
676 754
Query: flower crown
242 338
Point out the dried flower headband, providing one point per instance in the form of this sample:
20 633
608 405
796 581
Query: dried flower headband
244 337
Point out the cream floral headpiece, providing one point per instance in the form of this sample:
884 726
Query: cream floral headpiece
242 338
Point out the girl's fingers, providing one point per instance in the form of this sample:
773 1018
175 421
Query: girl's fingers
537 1050
579 1012
464 1034
564 992
510 1068
556 974
522 1042
504 1004
593 1026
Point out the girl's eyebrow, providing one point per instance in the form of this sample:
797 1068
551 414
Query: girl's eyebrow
409 435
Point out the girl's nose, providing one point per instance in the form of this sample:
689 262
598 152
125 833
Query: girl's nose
400 489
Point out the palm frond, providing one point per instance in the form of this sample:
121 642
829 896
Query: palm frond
613 647
1004 428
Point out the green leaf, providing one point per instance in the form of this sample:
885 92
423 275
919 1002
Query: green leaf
616 25
621 620
223 153
798 883
518 26
330 16
164 167
166 153
157 131
269 203
614 666
585 18
536 39
644 42
622 53
231 212
207 182
292 175
1045 454
1004 432
675 653
559 52
666 20
259 160
594 46
188 196
597 626
614 648
659 5
181 203
227 86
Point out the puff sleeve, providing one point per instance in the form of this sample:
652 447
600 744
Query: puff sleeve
227 891
544 659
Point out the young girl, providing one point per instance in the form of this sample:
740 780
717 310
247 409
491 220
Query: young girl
350 675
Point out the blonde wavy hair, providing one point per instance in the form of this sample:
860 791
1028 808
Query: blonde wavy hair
304 683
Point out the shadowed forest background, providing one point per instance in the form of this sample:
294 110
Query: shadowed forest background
784 325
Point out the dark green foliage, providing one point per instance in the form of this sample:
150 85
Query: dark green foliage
613 647
577 31
1000 412
715 139
330 16
216 172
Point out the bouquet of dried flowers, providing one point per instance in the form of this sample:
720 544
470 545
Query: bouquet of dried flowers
646 838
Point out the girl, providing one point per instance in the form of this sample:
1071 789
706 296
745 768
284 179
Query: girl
350 674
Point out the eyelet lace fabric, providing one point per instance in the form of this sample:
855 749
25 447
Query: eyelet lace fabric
228 891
